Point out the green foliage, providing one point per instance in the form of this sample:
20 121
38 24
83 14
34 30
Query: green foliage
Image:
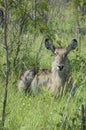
27 50
43 5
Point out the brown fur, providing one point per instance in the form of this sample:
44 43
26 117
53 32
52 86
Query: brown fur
57 79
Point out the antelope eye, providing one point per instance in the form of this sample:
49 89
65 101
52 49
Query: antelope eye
64 55
56 53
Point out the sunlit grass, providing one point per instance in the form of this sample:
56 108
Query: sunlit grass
43 112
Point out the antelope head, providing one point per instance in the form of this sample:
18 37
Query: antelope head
60 53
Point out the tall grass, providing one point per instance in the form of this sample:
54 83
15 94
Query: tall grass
43 112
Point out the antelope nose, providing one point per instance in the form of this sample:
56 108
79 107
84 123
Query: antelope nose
61 67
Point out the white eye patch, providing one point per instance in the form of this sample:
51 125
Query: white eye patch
55 52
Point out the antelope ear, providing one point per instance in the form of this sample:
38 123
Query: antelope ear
49 45
72 45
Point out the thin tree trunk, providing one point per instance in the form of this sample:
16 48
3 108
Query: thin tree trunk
7 63
35 12
83 117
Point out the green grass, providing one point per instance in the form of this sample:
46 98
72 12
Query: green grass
43 112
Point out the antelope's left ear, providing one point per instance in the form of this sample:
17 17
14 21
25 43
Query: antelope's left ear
49 45
72 45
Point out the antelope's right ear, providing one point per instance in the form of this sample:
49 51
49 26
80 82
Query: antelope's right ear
72 45
49 45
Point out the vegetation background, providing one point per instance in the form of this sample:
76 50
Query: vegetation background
29 22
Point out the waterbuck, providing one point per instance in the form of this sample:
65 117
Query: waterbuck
57 79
